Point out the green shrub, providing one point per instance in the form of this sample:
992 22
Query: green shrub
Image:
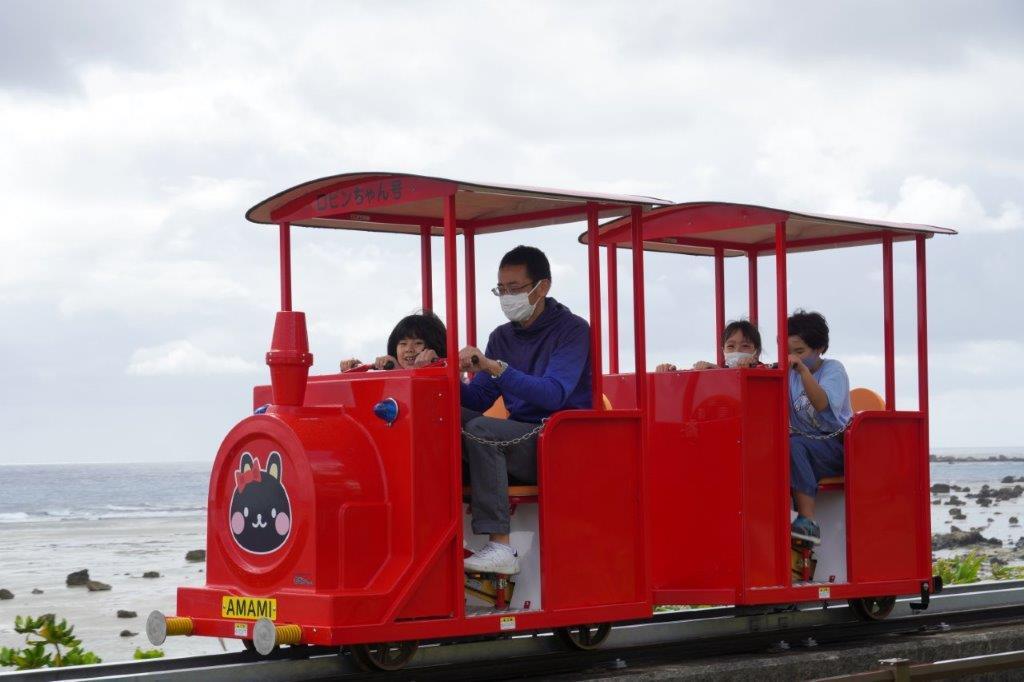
141 654
41 633
958 569
1003 572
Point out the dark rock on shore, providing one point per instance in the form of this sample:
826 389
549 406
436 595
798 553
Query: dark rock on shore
940 488
987 494
196 555
128 633
97 586
36 590
6 594
121 613
959 538
1014 521
955 501
151 574
78 578
936 501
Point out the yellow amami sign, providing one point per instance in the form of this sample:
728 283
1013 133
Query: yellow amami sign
248 607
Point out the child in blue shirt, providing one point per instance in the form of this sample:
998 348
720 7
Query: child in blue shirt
819 392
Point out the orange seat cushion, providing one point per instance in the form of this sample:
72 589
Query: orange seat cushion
513 491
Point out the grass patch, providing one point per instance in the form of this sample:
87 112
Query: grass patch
958 570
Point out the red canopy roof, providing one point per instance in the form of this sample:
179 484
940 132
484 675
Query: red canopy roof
699 228
400 202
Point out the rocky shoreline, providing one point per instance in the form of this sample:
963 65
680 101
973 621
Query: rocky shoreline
989 508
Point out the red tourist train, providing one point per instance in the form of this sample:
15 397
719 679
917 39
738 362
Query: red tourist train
336 511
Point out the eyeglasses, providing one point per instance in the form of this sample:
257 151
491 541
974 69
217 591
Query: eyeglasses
504 291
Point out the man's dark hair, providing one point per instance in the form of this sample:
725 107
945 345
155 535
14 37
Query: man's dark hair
748 329
537 266
426 326
811 327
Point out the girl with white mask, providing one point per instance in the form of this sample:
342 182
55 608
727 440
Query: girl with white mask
741 346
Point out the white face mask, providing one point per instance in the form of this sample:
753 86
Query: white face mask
733 359
517 307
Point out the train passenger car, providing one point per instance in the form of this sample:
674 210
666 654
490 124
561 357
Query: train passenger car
718 440
335 513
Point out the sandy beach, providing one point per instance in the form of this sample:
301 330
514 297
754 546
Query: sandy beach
40 555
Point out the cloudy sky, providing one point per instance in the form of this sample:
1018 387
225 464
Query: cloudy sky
138 303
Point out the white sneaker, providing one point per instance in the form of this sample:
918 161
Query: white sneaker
495 557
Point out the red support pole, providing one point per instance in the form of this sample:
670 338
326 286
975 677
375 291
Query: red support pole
451 289
922 328
451 286
467 235
781 306
613 309
286 266
594 272
719 302
426 276
752 286
639 330
890 341
922 400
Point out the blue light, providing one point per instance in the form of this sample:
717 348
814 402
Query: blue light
387 410
262 409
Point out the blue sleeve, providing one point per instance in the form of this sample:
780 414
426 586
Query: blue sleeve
551 391
481 392
836 384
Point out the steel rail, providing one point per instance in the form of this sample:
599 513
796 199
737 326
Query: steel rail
669 635
900 669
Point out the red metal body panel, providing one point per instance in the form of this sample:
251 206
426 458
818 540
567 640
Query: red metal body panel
885 459
374 548
591 518
714 444
717 445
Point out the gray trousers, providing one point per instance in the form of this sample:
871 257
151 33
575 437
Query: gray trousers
489 468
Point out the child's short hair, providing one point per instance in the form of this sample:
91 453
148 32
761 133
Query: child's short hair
423 325
811 327
747 328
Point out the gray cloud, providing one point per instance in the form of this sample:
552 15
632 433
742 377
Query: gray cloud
124 237
43 45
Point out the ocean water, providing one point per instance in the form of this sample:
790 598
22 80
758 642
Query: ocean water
102 491
148 491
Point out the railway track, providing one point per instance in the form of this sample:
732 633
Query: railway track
666 637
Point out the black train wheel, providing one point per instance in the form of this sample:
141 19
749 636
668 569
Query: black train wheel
584 637
384 656
872 608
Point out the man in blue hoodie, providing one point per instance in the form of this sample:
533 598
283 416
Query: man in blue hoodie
539 362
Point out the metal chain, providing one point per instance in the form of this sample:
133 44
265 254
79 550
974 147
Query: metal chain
504 443
819 436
